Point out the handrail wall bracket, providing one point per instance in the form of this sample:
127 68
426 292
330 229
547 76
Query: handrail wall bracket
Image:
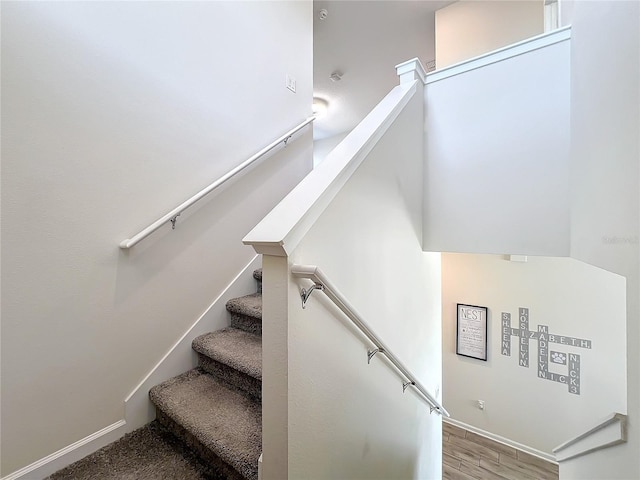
322 283
173 221
306 293
406 385
371 353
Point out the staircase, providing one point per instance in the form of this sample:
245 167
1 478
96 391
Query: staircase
214 410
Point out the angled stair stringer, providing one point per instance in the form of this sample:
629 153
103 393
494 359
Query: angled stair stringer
208 421
180 358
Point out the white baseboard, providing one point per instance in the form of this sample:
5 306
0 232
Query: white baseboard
69 454
505 441
138 408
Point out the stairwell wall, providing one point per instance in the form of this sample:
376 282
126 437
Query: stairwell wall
348 419
112 114
572 299
605 175
487 26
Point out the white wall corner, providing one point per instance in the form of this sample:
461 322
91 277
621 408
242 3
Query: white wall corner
607 433
412 70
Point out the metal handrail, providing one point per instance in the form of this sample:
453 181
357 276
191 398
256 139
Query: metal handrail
322 283
172 216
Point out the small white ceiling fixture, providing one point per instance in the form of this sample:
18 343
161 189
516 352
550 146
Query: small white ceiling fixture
365 40
323 13
336 76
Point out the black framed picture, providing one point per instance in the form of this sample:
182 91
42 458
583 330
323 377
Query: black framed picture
471 331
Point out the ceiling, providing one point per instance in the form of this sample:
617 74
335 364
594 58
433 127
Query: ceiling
364 41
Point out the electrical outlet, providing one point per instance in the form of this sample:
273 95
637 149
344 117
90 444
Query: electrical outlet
481 404
291 83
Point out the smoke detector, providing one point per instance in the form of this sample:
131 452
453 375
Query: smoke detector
336 76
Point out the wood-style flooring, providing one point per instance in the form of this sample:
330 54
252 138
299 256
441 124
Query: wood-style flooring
469 456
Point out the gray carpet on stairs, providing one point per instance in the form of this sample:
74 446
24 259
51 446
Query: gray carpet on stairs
233 356
238 349
208 420
246 313
212 418
149 453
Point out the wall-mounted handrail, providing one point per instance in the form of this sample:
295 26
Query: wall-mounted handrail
322 283
172 216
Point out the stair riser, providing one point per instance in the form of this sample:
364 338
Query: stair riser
237 380
221 468
246 323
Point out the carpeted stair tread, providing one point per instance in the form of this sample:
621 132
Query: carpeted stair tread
249 305
220 419
233 347
149 453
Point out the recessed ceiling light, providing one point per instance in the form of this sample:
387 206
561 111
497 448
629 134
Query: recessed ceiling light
320 106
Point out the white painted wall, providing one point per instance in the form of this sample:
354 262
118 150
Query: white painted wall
347 419
322 147
605 210
497 164
112 114
466 29
575 300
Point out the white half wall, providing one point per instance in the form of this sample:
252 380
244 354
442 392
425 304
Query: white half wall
466 29
497 152
348 419
113 113
574 300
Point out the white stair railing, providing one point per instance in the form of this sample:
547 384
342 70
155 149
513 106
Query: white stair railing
323 284
172 216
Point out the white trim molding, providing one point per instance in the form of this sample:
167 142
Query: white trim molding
411 70
71 453
138 408
520 48
611 431
505 441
